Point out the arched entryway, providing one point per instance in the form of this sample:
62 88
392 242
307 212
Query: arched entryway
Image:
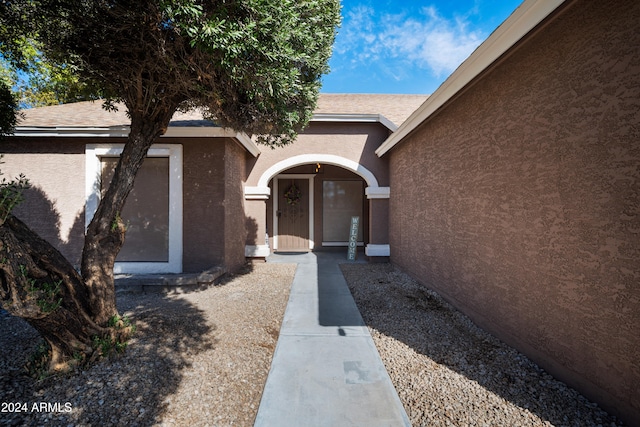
312 205
309 201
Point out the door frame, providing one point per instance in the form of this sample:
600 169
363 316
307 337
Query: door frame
276 183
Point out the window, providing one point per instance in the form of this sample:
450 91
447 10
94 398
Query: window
340 201
146 211
153 211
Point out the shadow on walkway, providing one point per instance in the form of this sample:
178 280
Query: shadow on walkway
326 370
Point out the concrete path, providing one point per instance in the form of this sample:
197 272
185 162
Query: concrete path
326 370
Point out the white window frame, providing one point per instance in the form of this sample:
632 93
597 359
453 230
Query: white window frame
94 154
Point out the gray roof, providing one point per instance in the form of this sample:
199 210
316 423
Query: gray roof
394 107
90 114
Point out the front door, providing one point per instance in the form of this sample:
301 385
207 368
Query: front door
292 214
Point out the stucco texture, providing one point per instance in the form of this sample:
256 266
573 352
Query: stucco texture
214 224
54 205
520 200
352 141
214 221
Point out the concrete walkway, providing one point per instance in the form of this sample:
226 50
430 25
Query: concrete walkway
326 370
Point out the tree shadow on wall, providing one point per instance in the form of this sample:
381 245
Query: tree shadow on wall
424 321
251 227
133 388
42 216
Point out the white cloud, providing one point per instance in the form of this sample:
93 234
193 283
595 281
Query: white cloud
358 27
426 41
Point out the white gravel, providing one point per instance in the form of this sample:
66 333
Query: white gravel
447 371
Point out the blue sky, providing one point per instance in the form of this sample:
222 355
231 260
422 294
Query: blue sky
391 46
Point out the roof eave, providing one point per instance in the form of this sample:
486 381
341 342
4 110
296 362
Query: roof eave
354 118
526 17
72 131
123 132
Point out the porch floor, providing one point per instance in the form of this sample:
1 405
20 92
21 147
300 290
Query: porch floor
326 370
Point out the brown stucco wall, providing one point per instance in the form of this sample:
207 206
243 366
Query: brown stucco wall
353 141
520 201
237 225
214 227
54 206
214 221
379 221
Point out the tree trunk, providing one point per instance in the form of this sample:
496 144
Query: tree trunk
105 234
38 284
74 313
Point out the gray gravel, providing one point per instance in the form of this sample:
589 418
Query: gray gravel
447 371
197 359
202 358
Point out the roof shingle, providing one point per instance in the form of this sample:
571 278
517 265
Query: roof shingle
91 114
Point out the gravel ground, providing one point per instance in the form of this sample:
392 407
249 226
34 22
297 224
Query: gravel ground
202 358
447 371
197 359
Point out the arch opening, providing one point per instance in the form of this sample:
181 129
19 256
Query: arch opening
328 159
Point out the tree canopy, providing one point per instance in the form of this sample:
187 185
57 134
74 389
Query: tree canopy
36 81
8 109
251 65
32 78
